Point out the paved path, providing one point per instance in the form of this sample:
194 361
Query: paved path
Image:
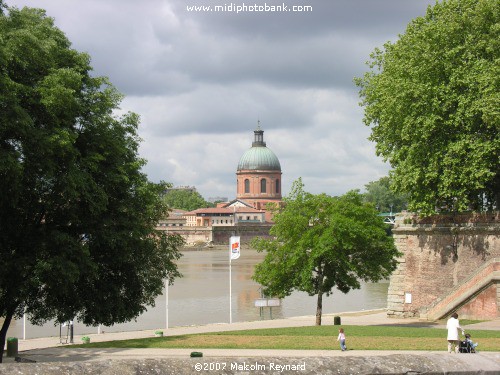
50 350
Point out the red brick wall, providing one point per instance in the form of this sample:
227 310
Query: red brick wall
255 177
437 258
484 306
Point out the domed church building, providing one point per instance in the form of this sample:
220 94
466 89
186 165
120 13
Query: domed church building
258 179
259 175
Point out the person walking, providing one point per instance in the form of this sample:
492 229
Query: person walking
453 325
341 339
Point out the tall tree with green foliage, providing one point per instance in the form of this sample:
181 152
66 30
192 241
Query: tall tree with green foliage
77 215
185 199
381 195
432 99
320 243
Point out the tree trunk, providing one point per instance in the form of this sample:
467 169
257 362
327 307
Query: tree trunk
319 308
3 333
319 305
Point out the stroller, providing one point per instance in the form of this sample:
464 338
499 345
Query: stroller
467 346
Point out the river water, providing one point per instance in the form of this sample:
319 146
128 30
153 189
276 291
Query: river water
202 297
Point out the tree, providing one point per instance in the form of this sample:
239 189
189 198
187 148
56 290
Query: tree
380 194
185 199
432 99
77 215
321 242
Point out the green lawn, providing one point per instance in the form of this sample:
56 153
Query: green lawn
315 337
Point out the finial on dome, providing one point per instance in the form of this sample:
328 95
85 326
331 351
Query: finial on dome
259 137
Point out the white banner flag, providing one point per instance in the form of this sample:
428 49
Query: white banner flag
234 247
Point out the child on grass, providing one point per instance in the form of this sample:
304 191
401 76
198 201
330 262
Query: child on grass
341 338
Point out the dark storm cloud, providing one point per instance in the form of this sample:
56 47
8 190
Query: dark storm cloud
366 17
219 109
159 47
325 47
324 61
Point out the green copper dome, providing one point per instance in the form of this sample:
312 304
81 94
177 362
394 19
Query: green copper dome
259 157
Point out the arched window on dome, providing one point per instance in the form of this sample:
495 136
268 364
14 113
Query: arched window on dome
277 186
247 186
263 185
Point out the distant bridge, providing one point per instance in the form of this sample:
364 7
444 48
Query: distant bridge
389 217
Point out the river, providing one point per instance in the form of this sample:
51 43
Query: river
202 297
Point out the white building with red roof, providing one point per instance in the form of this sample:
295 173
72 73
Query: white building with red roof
232 214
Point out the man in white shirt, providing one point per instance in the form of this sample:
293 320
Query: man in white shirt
453 326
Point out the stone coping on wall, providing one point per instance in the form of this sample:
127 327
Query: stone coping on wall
345 363
447 228
446 218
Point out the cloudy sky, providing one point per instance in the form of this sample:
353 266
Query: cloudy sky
200 80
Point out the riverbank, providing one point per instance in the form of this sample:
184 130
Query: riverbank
43 349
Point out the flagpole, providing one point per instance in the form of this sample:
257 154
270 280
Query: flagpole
230 292
234 253
166 301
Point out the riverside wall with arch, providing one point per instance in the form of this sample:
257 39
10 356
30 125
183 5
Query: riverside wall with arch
449 263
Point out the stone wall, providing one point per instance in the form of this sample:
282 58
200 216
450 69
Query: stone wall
246 232
219 235
394 364
192 235
440 255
